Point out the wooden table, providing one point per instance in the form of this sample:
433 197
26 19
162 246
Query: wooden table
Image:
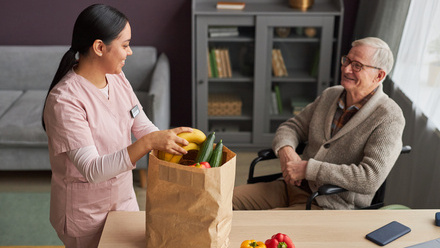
336 228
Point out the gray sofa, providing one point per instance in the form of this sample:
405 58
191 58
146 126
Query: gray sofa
26 73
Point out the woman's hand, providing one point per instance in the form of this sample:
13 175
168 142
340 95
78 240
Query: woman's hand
167 140
164 140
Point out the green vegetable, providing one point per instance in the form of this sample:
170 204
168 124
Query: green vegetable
205 151
216 157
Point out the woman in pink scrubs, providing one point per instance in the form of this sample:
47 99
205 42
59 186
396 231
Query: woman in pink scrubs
90 113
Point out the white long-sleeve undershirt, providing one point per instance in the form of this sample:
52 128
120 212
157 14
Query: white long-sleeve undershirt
97 168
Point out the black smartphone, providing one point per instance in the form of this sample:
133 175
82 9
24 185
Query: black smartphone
388 233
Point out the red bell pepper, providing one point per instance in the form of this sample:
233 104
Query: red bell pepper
279 240
204 165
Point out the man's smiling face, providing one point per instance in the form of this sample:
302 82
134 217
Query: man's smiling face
365 80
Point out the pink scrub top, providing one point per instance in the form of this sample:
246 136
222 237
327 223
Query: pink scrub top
77 115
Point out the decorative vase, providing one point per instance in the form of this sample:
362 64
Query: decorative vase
282 32
303 5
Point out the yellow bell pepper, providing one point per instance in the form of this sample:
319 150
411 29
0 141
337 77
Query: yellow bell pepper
252 244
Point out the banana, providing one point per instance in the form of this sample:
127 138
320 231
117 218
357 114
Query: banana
191 146
167 156
196 136
160 154
176 158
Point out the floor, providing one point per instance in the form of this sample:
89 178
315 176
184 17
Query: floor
39 181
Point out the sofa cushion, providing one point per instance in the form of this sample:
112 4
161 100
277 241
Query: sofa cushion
147 101
21 124
29 67
7 98
139 67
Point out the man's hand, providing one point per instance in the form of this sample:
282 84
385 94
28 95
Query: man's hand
293 168
295 172
286 154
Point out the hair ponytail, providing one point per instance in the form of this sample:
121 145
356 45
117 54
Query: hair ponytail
97 21
66 64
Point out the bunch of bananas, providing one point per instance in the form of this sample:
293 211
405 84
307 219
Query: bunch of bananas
195 139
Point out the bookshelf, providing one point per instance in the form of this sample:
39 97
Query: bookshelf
308 42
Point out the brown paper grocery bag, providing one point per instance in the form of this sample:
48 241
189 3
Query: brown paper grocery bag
188 206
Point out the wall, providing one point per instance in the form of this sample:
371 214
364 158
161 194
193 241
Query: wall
165 24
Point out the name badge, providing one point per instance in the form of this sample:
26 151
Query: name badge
134 111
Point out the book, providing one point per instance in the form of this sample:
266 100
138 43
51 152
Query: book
222 53
278 96
228 63
213 64
274 105
224 34
283 65
208 61
223 31
298 104
218 60
278 66
231 5
315 65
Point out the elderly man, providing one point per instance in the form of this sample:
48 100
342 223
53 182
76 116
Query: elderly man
353 133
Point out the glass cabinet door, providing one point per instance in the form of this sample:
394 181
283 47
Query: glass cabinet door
224 70
293 66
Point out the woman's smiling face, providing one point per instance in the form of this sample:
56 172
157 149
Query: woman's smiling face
117 51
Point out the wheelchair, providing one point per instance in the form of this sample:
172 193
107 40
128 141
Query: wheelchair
328 189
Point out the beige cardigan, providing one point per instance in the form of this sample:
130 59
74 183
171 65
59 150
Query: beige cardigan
358 158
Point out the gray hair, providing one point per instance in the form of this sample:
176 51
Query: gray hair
383 57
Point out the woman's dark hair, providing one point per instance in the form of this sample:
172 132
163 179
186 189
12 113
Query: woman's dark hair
97 21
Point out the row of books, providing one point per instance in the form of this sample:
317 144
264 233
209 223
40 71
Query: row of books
297 103
220 66
278 65
219 63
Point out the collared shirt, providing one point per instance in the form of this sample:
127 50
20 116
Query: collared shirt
344 114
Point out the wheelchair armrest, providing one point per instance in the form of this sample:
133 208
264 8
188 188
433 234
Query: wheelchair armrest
264 154
267 154
327 189
406 149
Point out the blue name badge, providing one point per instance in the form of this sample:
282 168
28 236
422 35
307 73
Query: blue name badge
134 111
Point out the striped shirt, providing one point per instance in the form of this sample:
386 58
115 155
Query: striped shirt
344 114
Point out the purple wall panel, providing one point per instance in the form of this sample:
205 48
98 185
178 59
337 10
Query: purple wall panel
164 24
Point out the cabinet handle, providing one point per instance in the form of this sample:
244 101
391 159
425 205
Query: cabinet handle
200 81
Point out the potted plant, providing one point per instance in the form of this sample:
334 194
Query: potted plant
434 66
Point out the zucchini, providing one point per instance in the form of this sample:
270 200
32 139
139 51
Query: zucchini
216 157
205 151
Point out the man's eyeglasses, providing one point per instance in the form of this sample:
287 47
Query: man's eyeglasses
357 66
